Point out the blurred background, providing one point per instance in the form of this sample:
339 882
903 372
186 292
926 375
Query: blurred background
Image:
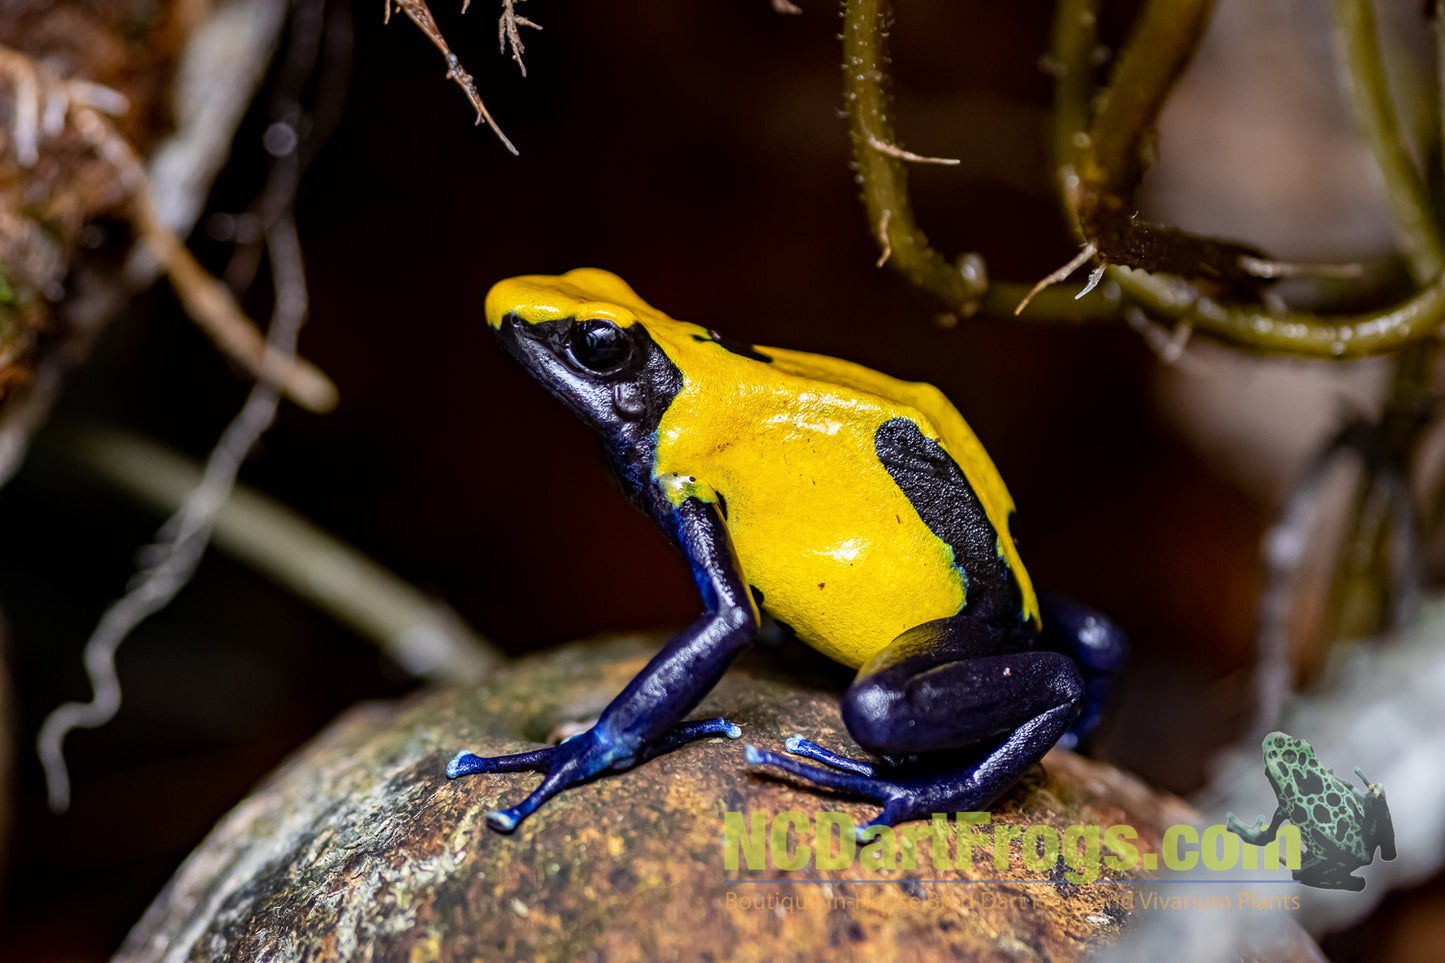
697 150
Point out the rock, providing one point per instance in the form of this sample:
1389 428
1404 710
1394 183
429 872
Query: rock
359 847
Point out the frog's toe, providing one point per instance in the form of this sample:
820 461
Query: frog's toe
799 746
685 732
891 815
840 779
577 759
506 820
467 763
462 764
503 821
688 731
565 764
1237 826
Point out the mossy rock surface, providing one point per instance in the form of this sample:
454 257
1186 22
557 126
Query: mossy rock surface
360 848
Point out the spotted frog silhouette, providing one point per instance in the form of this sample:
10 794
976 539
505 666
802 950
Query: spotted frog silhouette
1340 826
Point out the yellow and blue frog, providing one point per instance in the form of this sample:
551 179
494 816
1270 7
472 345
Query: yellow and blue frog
858 509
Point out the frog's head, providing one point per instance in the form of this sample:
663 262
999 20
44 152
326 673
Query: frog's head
589 339
1291 767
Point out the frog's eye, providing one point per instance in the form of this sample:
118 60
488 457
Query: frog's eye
600 345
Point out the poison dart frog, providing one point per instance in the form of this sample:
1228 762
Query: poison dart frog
1341 827
858 509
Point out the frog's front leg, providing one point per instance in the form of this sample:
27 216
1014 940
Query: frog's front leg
1259 834
642 721
944 690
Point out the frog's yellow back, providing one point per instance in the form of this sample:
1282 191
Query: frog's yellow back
785 442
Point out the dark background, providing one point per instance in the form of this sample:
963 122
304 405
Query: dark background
696 149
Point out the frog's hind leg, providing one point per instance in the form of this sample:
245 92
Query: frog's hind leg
1330 876
946 685
1097 647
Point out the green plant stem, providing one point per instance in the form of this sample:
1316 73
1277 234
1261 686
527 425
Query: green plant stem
1298 333
1433 514
1366 589
881 173
1107 158
1060 303
1417 231
422 634
1159 50
1100 162
1435 130
1075 37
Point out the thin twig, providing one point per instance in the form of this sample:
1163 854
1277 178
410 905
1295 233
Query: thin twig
1061 274
167 565
507 31
893 150
212 306
420 15
182 540
420 633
